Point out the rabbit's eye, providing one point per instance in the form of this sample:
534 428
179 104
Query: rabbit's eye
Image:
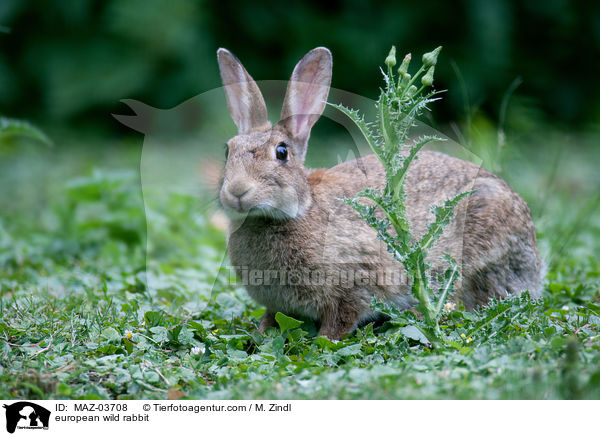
281 152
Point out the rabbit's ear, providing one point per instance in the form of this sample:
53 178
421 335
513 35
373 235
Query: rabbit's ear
244 99
307 93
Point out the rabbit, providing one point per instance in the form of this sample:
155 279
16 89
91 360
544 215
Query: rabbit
290 222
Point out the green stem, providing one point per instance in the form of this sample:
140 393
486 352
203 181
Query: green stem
398 178
412 80
391 77
421 291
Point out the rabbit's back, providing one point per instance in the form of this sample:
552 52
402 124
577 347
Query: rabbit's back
491 236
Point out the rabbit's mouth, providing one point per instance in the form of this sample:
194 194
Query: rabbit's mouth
238 210
241 206
238 197
258 211
250 200
269 212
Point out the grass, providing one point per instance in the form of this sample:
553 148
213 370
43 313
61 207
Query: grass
78 320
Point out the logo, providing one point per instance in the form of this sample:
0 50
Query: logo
26 415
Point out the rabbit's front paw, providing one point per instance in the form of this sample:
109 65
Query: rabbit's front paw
338 321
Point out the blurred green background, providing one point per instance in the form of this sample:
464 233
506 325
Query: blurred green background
68 63
521 80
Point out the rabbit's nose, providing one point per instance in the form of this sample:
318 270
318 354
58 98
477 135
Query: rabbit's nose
238 188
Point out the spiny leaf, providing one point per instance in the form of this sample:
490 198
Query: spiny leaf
397 179
397 220
442 214
363 126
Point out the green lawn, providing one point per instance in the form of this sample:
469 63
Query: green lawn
78 321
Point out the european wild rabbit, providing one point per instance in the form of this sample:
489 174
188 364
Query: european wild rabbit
300 250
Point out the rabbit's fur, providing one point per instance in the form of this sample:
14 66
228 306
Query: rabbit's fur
287 218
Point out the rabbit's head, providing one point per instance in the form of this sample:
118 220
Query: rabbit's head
264 173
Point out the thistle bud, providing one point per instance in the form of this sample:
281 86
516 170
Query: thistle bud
427 79
404 66
412 90
390 61
430 59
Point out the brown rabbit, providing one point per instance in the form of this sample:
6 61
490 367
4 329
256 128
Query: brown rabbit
294 242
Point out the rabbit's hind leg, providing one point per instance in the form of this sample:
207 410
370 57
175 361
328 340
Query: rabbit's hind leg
268 320
338 320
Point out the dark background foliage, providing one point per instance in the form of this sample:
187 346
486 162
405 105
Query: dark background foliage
70 62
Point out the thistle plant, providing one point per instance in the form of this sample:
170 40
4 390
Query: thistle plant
401 101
